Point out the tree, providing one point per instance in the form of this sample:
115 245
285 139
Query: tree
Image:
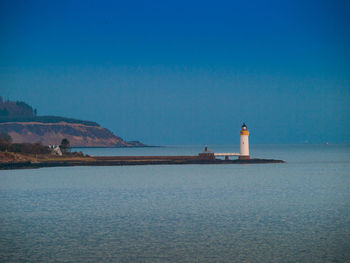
5 137
65 145
4 112
5 142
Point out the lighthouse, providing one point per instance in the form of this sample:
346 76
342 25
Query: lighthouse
244 145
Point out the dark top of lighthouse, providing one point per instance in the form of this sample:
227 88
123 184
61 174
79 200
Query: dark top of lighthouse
244 127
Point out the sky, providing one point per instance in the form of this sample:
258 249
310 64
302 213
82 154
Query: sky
184 72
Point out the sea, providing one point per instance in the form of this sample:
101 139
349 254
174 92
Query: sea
298 211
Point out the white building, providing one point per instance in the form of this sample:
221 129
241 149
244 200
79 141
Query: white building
55 149
244 145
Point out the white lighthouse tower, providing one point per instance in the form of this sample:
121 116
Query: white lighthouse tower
244 146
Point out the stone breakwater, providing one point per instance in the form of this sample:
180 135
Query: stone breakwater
131 160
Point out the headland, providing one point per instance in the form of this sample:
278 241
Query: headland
20 121
37 156
28 162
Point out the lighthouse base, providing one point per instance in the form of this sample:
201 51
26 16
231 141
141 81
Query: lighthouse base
244 157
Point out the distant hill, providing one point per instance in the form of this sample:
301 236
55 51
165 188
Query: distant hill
19 111
20 121
47 119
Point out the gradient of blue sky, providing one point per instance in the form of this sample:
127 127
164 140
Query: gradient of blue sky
184 72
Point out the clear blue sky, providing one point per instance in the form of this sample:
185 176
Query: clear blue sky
184 72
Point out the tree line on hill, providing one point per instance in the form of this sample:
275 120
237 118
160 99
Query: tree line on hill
19 111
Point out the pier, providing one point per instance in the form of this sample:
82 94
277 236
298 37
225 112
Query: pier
132 160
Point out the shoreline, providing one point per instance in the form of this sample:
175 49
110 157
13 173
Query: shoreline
129 161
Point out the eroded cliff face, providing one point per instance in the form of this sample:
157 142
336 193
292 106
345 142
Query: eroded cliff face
52 133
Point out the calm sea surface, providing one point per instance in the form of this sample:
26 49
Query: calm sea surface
293 212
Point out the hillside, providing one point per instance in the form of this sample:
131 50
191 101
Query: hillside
20 121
